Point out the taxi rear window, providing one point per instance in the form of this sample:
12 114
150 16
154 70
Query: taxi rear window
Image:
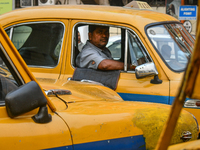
38 43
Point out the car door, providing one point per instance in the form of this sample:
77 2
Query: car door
128 46
22 132
131 87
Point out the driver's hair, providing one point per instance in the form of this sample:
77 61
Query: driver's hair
93 27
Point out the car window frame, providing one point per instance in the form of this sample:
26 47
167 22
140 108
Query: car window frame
141 47
127 29
37 22
12 69
162 23
11 66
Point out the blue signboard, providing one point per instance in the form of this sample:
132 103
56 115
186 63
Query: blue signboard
187 12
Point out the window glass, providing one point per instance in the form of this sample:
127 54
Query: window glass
39 43
8 32
138 55
114 43
173 43
20 35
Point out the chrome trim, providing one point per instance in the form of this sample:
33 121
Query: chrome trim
197 124
11 32
37 22
55 92
186 136
92 82
144 70
126 50
12 64
191 103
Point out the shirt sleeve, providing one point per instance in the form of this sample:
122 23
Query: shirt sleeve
89 59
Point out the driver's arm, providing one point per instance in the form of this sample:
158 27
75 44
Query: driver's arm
109 64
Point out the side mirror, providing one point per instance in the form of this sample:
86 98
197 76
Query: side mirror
26 98
144 70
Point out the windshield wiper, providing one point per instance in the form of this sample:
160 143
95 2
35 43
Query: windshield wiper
177 38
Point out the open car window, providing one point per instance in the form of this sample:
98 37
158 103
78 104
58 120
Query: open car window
128 49
38 43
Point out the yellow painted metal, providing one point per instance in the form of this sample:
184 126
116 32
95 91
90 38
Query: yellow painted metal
193 145
102 120
96 113
23 133
81 91
129 83
78 12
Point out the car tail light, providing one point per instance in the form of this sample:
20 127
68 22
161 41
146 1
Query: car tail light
198 103
192 103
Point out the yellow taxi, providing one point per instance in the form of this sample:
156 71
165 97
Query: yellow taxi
75 115
47 39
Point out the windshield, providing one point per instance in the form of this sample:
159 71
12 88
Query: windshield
173 43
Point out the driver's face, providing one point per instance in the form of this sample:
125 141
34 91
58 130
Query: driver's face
99 37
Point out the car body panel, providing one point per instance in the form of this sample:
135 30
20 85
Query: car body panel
91 113
189 145
90 125
82 91
23 133
125 89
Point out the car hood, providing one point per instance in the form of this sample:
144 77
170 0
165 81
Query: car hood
105 120
81 91
97 113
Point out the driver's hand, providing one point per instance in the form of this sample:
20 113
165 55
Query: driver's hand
132 67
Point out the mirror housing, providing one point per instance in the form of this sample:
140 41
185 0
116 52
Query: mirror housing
144 70
26 98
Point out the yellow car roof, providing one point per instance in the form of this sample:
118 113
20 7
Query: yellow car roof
136 17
